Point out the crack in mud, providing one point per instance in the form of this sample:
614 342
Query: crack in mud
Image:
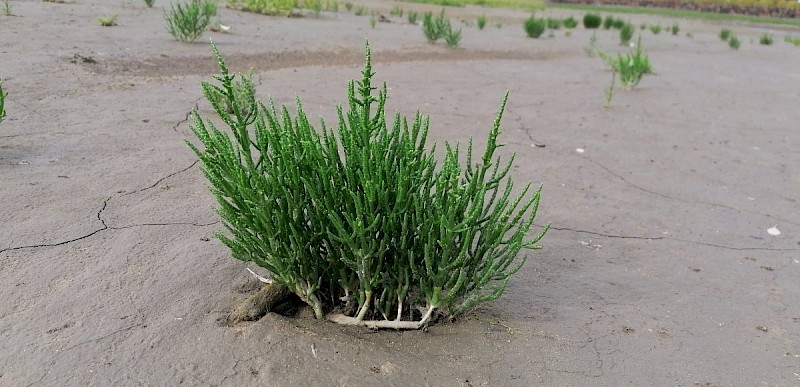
162 179
189 114
678 199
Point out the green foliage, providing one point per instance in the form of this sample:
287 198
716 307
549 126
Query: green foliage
733 42
188 21
618 23
348 6
360 11
315 6
7 8
631 67
481 21
243 93
372 21
3 95
437 28
608 22
610 91
149 3
534 27
792 40
412 17
452 37
362 220
626 34
675 29
265 7
591 48
724 34
655 29
107 21
396 11
766 39
570 22
592 21
553 24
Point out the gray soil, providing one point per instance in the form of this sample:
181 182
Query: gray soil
658 269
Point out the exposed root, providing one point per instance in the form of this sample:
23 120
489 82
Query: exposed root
385 324
258 305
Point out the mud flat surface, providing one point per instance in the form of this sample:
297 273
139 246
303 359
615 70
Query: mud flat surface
658 270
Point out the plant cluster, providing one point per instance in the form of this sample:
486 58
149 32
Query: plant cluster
570 22
792 40
592 21
766 39
724 34
675 29
534 27
733 42
412 17
625 34
188 21
149 3
630 67
440 28
7 8
266 7
611 21
396 11
361 222
243 91
481 21
107 21
655 29
373 21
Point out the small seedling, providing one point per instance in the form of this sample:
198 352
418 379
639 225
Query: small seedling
149 3
724 34
766 39
618 23
372 21
452 38
7 8
609 92
592 21
625 34
3 95
435 29
107 21
396 11
630 67
535 27
675 29
481 21
412 17
608 22
656 29
643 26
188 21
553 24
591 48
733 42
570 22
360 11
348 6
792 40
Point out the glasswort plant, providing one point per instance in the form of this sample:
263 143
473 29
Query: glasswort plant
188 21
361 222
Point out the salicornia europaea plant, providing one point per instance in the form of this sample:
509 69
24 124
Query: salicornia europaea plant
360 221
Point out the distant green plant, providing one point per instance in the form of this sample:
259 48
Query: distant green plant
766 39
570 22
396 11
618 23
626 34
481 21
534 27
643 26
360 11
7 8
361 222
149 3
733 42
608 22
452 37
792 40
348 6
412 17
592 21
724 34
264 7
435 28
332 6
372 21
188 21
107 21
3 95
631 67
675 29
655 29
591 48
609 92
689 35
315 6
552 23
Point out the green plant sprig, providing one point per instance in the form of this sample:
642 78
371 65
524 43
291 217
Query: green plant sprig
3 95
187 22
361 221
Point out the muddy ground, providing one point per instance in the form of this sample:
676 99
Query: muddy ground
658 269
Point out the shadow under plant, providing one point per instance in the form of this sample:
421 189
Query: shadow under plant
360 223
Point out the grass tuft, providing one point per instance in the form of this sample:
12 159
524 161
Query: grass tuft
534 27
107 21
187 22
